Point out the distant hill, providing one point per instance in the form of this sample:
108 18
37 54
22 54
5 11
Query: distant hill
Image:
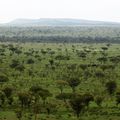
59 22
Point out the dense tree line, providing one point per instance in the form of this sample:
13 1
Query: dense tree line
61 34
60 39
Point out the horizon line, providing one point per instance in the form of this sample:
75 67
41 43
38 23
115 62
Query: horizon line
9 21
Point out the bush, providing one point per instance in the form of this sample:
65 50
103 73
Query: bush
111 87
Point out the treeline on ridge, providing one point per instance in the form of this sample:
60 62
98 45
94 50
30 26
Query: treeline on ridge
60 34
60 39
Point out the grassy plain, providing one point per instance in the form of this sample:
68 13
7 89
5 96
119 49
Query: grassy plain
53 62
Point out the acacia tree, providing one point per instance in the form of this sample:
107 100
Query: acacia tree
73 82
38 92
24 98
35 90
44 94
77 104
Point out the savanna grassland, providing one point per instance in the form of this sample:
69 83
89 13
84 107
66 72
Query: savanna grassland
59 81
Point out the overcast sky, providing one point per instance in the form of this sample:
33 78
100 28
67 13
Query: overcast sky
103 10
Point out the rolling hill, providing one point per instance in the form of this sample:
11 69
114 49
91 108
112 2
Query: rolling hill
59 22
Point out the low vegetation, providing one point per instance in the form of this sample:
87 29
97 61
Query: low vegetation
59 81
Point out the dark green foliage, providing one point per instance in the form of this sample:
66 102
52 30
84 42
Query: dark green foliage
30 61
44 94
24 98
61 84
8 91
82 54
51 107
38 91
73 82
83 66
118 97
51 62
14 63
99 74
19 114
102 59
3 79
77 103
99 99
104 48
64 96
36 109
2 98
88 98
35 89
56 35
20 67
62 57
111 87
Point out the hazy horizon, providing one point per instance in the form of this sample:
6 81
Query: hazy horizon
102 10
58 18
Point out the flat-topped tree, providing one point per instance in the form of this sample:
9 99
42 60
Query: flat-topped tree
38 91
79 101
35 89
24 98
44 94
73 82
77 104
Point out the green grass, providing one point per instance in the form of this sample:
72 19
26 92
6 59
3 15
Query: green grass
46 76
